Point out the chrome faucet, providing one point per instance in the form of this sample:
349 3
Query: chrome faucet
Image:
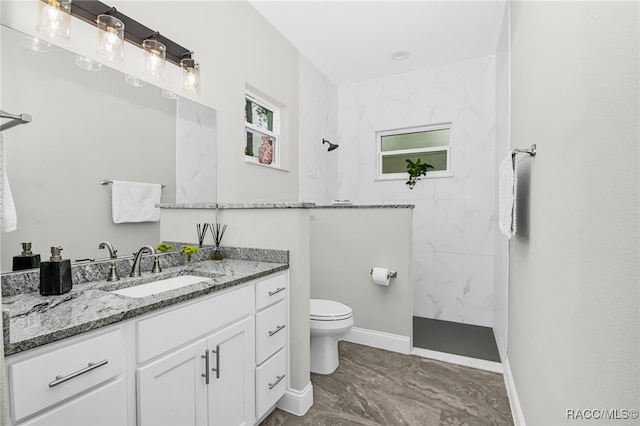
113 274
135 270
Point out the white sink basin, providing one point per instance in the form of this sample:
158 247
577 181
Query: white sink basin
155 287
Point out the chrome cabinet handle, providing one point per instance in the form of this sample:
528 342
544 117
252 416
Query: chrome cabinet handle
92 366
277 290
278 328
274 384
206 365
217 369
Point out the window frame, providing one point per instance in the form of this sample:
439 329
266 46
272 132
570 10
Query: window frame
404 175
273 134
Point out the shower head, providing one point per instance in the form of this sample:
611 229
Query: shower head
332 146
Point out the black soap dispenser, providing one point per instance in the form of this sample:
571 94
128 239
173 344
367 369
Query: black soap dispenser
55 275
26 260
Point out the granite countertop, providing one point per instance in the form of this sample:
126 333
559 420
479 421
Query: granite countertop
32 320
284 205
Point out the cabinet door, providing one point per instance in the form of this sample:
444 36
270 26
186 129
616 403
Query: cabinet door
232 382
106 405
172 390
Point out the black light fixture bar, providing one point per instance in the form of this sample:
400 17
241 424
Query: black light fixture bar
134 32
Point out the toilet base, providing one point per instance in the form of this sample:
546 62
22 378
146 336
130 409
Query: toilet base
324 354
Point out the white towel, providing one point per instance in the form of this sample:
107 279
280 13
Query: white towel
508 189
135 202
8 216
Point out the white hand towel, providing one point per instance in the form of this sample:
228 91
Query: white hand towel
508 189
135 202
8 216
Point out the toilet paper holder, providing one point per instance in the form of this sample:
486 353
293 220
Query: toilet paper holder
390 274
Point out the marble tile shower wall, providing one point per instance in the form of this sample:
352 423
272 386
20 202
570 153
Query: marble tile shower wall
454 218
318 120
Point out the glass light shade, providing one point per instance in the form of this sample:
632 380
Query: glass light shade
88 64
169 94
190 76
110 37
54 17
154 55
35 44
134 81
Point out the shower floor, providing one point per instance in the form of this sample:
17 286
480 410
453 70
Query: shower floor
472 341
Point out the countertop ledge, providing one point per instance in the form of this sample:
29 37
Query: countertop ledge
32 320
282 205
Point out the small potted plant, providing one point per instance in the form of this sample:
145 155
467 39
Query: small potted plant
164 247
217 232
189 250
415 170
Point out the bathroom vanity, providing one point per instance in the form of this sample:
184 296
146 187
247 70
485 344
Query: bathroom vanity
213 352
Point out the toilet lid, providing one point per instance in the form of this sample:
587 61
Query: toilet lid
329 310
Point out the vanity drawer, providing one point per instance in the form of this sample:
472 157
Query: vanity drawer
271 290
271 382
44 380
165 331
271 330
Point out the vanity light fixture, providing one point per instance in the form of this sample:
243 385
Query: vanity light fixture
154 56
110 37
54 18
190 76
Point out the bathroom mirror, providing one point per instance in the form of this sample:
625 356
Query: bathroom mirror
87 126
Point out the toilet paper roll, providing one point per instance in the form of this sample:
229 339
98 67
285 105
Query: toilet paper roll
380 276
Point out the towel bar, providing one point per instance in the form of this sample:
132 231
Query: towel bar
107 182
531 151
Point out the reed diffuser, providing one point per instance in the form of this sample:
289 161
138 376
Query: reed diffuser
217 231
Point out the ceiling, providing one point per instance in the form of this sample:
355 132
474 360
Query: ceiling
351 41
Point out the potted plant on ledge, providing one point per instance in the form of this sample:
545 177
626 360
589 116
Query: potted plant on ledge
415 170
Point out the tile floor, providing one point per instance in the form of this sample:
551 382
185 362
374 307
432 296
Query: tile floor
377 387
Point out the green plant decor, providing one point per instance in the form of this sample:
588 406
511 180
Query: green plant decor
189 250
415 170
164 247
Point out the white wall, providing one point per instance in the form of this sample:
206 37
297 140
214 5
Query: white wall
345 244
574 311
453 241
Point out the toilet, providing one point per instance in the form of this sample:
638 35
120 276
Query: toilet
330 321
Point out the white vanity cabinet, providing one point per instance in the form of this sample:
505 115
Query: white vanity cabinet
217 360
78 381
208 380
272 337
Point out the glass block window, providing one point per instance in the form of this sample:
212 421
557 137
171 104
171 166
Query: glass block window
262 131
431 144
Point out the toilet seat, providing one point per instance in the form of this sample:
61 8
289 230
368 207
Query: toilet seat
329 310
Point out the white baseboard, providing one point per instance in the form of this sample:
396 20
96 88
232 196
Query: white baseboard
297 402
514 401
379 339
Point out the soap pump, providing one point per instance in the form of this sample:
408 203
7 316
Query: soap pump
26 260
55 274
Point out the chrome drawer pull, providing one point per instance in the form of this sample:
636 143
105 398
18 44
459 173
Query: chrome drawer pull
217 369
92 366
278 328
277 290
274 384
206 366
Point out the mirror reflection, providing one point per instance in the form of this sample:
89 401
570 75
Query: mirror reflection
88 126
